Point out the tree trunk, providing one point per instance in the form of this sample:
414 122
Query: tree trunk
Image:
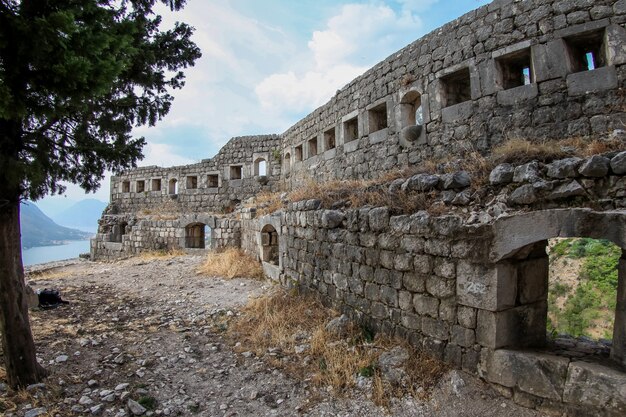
17 340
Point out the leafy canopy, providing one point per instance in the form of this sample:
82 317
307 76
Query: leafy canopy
75 77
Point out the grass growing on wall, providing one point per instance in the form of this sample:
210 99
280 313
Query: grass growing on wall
584 306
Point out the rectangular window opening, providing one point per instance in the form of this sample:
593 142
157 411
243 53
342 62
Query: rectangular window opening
140 186
377 117
351 130
213 180
235 172
156 184
298 150
192 182
312 147
329 139
515 69
126 186
456 87
586 51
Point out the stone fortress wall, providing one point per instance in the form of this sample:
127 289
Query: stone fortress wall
469 285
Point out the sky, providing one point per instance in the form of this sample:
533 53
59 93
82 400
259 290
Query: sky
267 64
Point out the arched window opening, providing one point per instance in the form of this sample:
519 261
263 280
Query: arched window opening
173 187
412 117
195 236
260 167
287 163
269 245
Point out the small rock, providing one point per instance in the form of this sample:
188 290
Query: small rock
121 387
462 198
96 409
105 392
523 195
564 168
3 387
395 185
457 382
299 349
618 163
338 325
92 383
35 412
526 173
61 358
457 180
254 394
77 408
36 387
596 166
571 189
84 400
501 174
135 408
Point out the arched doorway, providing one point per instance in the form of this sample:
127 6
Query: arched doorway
269 245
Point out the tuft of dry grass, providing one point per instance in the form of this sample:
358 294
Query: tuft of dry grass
160 254
268 202
231 263
279 322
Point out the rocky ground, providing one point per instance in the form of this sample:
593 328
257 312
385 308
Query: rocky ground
145 337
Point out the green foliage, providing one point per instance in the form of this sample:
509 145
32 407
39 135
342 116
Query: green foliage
148 402
75 77
596 291
367 371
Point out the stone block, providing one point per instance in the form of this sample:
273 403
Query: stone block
453 355
405 300
564 168
435 328
457 112
490 287
594 81
615 45
414 282
411 321
403 262
426 305
517 95
618 163
590 384
440 287
462 336
379 311
521 326
466 316
378 219
389 296
537 374
447 310
533 280
550 60
422 264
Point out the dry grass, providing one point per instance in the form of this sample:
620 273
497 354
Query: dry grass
268 202
160 254
231 263
279 322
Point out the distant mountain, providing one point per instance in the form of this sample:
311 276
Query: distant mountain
40 230
82 215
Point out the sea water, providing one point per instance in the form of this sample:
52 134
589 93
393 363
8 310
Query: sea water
42 254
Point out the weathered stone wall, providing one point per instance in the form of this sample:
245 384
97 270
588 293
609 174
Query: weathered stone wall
461 75
159 234
201 195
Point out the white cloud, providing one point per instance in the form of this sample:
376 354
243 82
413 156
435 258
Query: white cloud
162 154
353 40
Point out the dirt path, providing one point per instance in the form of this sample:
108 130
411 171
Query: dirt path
148 330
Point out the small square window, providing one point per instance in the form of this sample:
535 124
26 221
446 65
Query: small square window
126 186
235 172
213 180
312 147
192 182
456 88
586 51
377 117
298 151
515 70
351 129
329 139
156 184
140 186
